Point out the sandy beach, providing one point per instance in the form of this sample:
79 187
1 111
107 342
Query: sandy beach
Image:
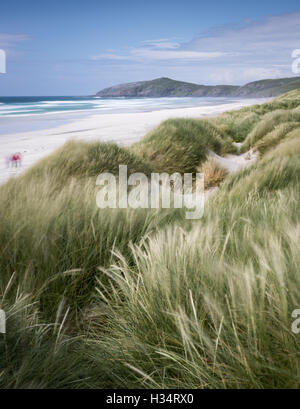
124 129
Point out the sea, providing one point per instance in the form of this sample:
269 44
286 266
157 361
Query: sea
22 114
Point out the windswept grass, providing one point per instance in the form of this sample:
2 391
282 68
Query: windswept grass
278 169
273 138
236 124
179 145
36 354
211 307
124 298
239 124
87 159
50 223
268 123
214 174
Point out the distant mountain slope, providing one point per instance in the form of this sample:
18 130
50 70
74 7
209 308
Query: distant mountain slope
166 87
269 88
160 87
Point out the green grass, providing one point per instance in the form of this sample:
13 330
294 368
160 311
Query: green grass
87 159
119 298
273 138
270 87
268 123
239 124
211 307
179 145
45 234
214 174
50 223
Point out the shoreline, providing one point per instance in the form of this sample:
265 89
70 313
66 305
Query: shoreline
121 128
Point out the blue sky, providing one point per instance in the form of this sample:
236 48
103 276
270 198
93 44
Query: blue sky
71 47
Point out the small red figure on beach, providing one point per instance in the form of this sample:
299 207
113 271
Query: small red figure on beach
16 159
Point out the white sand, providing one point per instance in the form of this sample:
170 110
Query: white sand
233 163
124 129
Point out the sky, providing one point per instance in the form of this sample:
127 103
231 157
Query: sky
78 47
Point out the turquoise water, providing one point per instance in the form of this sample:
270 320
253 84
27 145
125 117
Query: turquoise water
25 106
22 114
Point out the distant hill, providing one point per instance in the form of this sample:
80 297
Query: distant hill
166 87
268 88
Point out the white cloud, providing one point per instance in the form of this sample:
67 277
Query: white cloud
175 55
267 42
248 51
241 76
153 54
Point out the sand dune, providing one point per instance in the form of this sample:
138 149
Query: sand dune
125 128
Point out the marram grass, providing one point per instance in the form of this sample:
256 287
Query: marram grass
144 298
